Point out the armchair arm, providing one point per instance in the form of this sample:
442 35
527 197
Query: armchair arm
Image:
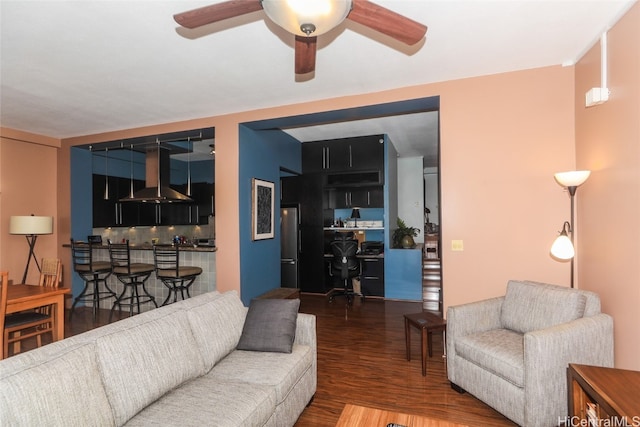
467 319
547 354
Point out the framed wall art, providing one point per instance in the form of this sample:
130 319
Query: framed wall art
262 209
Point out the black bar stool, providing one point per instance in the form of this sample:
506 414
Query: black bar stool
168 269
92 273
132 276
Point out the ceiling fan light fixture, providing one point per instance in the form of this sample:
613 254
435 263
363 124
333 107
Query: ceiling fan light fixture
307 17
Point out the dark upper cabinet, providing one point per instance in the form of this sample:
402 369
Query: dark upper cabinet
356 197
111 212
367 153
290 188
343 155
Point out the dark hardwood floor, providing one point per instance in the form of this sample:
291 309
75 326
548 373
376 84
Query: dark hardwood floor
361 360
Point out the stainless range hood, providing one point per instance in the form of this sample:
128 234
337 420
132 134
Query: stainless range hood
157 190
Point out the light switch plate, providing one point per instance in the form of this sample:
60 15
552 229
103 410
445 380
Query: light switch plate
457 245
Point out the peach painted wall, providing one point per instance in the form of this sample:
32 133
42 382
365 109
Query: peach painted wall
503 137
27 186
608 143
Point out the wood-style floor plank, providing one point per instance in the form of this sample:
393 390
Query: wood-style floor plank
361 360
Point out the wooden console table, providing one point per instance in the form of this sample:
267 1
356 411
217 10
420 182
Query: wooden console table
596 393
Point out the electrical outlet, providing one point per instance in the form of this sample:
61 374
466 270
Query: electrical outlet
457 245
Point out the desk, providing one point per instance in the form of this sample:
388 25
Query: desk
26 297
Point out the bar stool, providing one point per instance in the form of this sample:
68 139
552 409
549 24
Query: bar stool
132 276
92 273
174 276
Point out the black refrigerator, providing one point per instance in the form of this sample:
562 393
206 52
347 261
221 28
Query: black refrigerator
289 246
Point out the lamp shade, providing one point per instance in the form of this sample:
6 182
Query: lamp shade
31 224
562 248
355 213
307 17
571 178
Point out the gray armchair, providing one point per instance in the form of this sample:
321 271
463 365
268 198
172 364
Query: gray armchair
512 352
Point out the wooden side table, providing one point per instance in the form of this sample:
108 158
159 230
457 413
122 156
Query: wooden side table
603 396
427 323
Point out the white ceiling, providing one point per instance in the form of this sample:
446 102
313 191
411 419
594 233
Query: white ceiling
71 68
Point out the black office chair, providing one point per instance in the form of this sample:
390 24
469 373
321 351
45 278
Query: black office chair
176 277
92 273
132 275
345 266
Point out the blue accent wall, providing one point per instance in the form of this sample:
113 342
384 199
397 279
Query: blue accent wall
262 154
81 204
402 267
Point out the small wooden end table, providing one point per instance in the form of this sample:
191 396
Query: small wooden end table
427 323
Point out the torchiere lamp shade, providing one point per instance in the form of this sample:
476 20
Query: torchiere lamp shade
30 224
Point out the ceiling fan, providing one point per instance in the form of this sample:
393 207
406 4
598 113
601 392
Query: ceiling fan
307 19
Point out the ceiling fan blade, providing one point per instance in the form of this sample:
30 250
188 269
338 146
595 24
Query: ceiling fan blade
216 12
305 54
387 22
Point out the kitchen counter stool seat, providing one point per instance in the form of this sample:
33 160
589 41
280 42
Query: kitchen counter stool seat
176 277
133 276
93 273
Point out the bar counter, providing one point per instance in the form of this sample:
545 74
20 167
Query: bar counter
199 256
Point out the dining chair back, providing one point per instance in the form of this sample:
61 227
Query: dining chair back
20 326
51 272
50 277
4 283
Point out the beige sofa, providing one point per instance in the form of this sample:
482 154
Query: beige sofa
512 352
176 365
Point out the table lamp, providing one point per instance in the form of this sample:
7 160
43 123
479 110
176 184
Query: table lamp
31 227
355 214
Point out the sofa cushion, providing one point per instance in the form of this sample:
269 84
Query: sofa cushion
500 351
270 325
279 370
144 362
531 307
217 325
51 392
206 401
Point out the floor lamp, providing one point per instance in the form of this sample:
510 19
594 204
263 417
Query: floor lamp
563 247
31 227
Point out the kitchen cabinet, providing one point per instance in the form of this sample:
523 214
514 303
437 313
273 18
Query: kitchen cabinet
311 233
181 213
347 154
204 195
290 188
111 212
356 197
372 277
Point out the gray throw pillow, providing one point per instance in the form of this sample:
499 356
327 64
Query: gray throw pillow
270 325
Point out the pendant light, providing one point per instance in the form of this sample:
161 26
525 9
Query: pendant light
131 171
106 174
189 166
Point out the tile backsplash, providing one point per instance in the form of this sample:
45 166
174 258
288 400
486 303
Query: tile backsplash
164 233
